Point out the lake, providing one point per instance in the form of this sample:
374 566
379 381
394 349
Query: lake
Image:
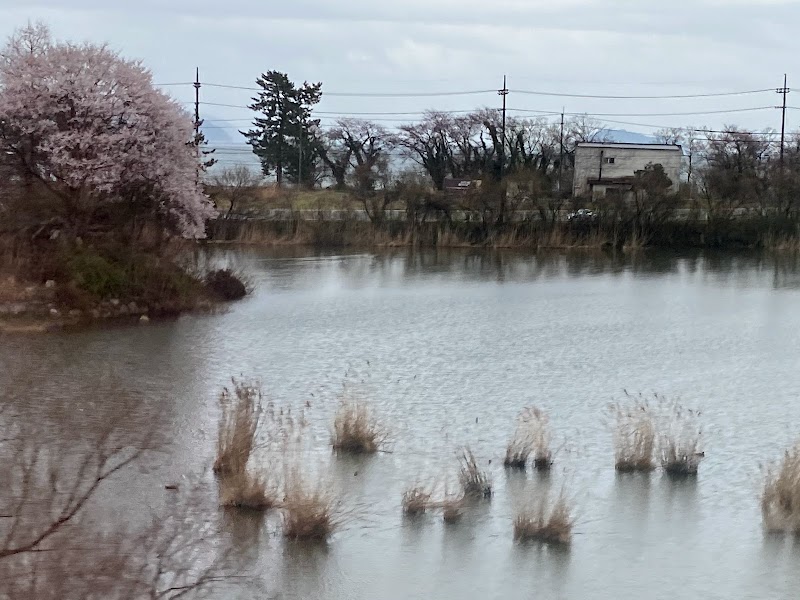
449 346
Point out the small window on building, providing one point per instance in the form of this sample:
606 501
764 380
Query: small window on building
610 160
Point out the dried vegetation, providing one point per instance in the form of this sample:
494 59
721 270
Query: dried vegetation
310 511
355 429
780 498
417 499
634 436
475 483
545 522
241 415
531 437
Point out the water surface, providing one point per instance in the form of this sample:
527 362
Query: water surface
449 346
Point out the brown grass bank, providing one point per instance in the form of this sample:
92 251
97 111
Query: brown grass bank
357 233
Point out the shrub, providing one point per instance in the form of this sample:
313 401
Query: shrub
97 275
226 284
117 271
474 482
244 490
242 410
355 430
634 436
544 523
780 499
309 513
680 444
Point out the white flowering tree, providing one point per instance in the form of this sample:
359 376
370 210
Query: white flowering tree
90 127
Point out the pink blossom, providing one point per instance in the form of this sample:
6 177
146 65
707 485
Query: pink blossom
91 126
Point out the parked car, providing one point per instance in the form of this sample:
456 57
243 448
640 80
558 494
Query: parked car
583 214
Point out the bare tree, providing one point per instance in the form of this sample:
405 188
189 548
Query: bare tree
652 203
428 144
50 548
236 185
584 128
735 172
670 135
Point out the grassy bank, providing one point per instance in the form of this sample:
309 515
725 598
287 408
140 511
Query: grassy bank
740 233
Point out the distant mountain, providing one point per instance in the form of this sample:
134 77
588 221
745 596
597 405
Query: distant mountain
217 132
628 137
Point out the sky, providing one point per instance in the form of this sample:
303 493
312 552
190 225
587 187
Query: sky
426 47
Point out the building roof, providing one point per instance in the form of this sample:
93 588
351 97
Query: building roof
624 146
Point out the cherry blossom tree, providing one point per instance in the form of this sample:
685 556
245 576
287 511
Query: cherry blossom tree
91 127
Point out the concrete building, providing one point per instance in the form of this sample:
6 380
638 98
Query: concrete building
604 166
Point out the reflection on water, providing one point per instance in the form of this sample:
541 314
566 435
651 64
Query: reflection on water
450 345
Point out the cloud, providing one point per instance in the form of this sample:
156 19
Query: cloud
616 47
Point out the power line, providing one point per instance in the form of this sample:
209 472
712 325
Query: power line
525 110
490 91
365 94
676 114
649 97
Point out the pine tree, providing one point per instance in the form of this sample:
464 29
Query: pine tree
199 141
285 138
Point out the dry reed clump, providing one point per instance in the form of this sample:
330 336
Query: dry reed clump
680 444
242 411
474 482
245 490
634 436
416 500
310 512
452 508
532 436
780 499
544 523
355 429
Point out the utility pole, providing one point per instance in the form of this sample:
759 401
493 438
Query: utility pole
197 103
783 91
197 122
689 172
300 156
561 153
503 93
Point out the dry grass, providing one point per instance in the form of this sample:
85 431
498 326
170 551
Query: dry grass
636 241
474 482
782 243
550 524
244 490
417 500
452 508
531 436
310 512
679 447
242 410
356 430
634 436
780 499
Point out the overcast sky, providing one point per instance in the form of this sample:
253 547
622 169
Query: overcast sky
605 47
